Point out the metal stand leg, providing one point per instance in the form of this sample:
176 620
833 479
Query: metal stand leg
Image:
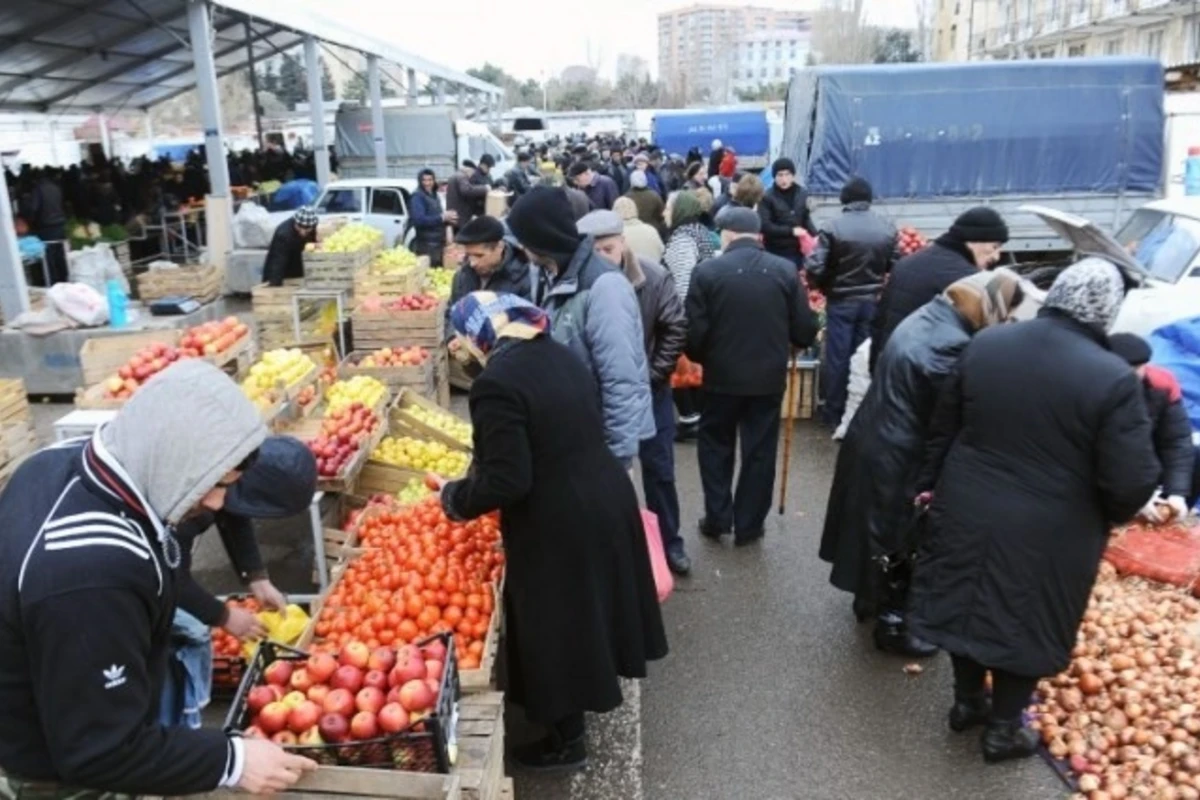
318 532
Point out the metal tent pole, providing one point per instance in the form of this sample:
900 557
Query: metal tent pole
14 293
200 30
411 80
253 81
316 107
377 132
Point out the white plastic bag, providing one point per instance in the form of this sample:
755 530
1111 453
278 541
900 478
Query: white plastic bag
95 266
856 389
79 302
252 229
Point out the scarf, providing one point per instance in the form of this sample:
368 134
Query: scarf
482 319
986 298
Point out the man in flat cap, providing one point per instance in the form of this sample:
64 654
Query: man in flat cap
745 311
492 264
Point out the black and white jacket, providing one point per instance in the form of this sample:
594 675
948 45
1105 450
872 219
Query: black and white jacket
86 602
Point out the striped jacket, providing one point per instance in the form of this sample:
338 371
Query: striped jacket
86 602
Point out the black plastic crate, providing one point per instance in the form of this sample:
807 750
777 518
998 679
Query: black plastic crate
423 747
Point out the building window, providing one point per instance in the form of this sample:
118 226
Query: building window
1048 53
1112 47
1154 43
762 73
1193 38
953 36
1077 51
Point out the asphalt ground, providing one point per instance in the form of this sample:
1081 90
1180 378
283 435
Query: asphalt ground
771 690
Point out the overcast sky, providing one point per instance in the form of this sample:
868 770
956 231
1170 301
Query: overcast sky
527 38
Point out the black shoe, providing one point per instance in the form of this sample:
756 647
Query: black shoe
743 539
1005 741
864 609
687 431
711 532
551 755
967 712
679 563
893 637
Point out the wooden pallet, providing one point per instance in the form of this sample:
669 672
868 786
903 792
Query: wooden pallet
14 405
480 733
341 783
203 283
101 356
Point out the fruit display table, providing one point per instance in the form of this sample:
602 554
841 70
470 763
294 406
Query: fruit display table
51 364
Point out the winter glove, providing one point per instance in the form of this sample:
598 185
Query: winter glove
1178 507
1152 512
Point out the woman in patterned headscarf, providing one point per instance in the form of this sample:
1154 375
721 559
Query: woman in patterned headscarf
579 595
1040 444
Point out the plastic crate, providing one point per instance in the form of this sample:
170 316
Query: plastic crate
424 747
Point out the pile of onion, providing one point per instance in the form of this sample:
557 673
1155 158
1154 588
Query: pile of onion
1126 714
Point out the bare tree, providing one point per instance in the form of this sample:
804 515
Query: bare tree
841 36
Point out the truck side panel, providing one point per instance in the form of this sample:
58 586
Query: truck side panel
746 131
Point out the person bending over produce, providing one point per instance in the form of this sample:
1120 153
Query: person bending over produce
88 566
1039 445
285 257
1172 431
579 596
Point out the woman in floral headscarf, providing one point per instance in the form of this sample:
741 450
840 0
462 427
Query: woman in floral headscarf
579 595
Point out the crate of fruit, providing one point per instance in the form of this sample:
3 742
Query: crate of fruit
101 356
377 708
415 319
143 365
200 282
426 418
393 272
342 441
396 367
422 456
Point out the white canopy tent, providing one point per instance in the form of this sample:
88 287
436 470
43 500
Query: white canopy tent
120 55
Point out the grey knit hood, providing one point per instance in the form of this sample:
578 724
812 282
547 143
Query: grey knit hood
180 433
1090 292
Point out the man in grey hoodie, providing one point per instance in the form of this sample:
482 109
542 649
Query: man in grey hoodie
88 580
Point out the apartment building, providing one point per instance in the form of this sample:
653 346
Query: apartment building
770 57
697 44
1168 30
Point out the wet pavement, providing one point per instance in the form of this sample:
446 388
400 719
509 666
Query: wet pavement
771 691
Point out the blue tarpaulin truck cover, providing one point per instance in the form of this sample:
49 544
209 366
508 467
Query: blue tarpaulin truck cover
979 129
745 130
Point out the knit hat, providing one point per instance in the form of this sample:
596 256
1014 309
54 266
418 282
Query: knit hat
305 217
1130 347
578 168
637 179
279 484
857 190
1090 292
542 221
736 219
481 230
601 223
980 224
626 208
783 165
487 160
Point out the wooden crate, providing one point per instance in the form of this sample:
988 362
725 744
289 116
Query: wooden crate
101 356
484 678
379 478
805 393
506 789
368 282
18 441
407 400
375 329
335 271
441 379
241 351
458 375
203 283
307 429
480 732
336 783
93 397
419 377
14 405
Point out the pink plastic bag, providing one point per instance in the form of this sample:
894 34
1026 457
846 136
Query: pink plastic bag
664 581
808 243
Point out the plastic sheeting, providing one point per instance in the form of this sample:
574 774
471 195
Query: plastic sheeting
745 130
1177 347
294 194
980 129
425 132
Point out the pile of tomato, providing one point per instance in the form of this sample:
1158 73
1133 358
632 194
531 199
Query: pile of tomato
225 643
419 573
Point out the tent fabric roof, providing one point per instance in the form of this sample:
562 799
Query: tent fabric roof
112 55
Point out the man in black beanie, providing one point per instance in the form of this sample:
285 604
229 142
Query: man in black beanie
784 214
973 243
854 254
492 264
593 310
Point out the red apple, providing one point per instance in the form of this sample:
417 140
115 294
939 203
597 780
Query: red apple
333 728
410 666
382 659
393 695
273 718
317 693
293 699
434 651
259 697
303 717
416 696
284 739
369 699
339 701
393 718
277 691
300 680
355 654
363 726
433 669
434 686
312 737
278 672
376 678
321 667
347 677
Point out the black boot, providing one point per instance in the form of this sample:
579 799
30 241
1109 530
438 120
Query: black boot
968 712
864 608
1004 741
892 636
552 754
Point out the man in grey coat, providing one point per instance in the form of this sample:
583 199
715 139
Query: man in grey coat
593 310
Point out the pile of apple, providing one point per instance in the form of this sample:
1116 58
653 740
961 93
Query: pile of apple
441 280
214 337
395 357
342 433
141 367
360 695
910 241
405 302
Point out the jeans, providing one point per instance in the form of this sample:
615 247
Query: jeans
658 470
847 325
1011 693
755 419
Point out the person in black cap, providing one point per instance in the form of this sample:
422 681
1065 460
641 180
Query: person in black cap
784 214
285 256
492 264
1172 432
745 311
593 310
973 243
854 254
